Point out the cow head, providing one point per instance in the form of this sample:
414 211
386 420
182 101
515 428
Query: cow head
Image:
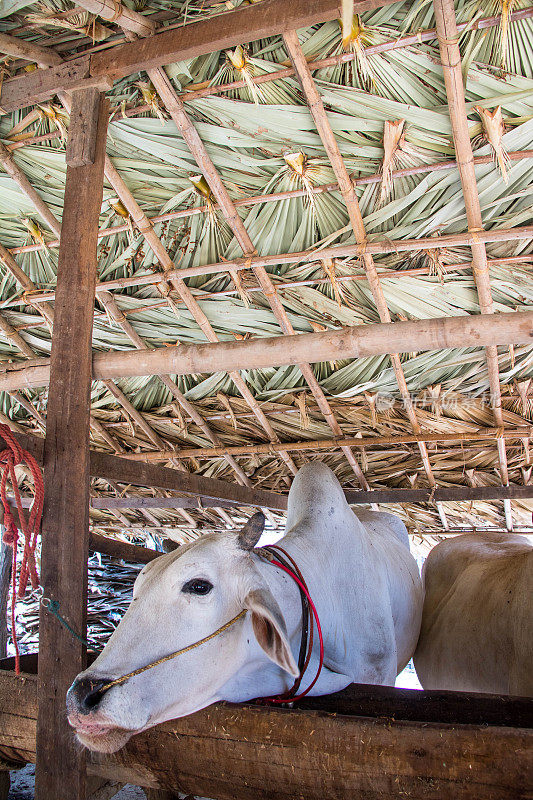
179 599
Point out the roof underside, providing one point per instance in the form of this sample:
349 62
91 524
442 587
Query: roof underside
388 111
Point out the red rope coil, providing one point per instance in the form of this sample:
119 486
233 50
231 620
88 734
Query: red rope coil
13 455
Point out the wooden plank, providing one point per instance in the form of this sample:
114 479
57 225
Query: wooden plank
355 342
141 474
42 84
245 24
60 763
118 549
83 128
249 752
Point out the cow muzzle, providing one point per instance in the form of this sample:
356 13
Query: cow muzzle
86 694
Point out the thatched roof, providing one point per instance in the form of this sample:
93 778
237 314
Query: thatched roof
388 110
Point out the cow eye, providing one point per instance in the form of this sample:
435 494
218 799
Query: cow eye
197 586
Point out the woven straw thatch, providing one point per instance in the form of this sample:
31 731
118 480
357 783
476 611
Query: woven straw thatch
388 111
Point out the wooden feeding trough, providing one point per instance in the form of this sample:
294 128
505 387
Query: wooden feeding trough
370 742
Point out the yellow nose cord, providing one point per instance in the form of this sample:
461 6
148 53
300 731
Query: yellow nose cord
125 678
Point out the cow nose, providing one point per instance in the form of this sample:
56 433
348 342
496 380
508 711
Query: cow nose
86 693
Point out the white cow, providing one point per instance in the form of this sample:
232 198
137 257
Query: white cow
477 624
362 579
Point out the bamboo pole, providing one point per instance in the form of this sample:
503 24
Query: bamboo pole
116 314
156 277
177 111
143 224
114 11
355 342
366 442
8 163
318 112
10 333
453 78
305 256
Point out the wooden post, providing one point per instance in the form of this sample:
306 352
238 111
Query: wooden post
60 762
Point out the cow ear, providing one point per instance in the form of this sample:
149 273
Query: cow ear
251 533
270 630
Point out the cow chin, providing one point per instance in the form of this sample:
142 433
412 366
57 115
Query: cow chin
110 741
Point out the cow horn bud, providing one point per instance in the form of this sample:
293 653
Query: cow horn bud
251 533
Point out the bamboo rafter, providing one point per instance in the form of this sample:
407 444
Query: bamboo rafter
453 78
318 112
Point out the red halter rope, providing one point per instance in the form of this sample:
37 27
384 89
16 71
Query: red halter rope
291 696
12 455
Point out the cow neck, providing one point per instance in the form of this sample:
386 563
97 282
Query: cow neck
278 557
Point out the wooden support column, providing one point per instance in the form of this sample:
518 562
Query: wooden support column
60 761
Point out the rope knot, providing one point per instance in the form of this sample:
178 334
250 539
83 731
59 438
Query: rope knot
11 533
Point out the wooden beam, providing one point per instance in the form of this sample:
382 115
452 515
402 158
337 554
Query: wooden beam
198 503
105 503
368 741
454 494
43 84
355 342
117 549
140 474
114 468
60 763
450 494
218 32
